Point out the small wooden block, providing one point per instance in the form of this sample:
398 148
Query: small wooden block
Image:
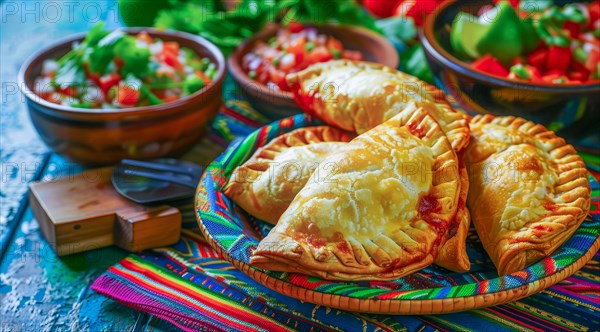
84 212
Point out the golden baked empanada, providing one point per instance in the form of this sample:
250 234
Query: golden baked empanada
378 209
265 185
529 190
356 95
453 254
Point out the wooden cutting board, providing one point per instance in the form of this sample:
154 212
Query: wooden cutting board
84 212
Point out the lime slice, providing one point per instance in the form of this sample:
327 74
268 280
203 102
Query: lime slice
503 39
465 34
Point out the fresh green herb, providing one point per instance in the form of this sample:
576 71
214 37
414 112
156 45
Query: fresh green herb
193 84
310 46
336 54
82 105
152 98
135 59
414 62
398 28
227 29
276 62
520 71
252 74
580 55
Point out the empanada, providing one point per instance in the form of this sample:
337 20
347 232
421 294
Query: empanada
357 95
378 209
265 185
529 190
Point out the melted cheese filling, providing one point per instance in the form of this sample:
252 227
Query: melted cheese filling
518 166
368 188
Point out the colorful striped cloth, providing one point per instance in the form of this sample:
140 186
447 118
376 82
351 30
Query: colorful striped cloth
189 285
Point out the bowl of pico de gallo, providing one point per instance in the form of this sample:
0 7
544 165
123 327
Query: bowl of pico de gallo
535 59
140 93
260 64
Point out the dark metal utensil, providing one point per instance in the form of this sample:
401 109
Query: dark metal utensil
160 180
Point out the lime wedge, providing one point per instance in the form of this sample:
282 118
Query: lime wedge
465 34
503 39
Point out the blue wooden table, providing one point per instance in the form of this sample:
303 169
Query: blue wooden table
38 290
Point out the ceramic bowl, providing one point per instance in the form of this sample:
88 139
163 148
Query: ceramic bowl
570 110
277 104
105 136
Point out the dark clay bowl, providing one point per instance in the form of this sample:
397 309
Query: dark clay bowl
105 136
278 104
570 110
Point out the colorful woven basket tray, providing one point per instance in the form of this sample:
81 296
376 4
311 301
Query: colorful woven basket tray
234 233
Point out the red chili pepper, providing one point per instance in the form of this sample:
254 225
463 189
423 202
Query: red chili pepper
537 58
489 64
573 28
559 58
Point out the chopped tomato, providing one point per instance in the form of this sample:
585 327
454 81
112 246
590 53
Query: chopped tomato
538 58
295 27
172 60
582 75
594 13
573 28
293 49
334 44
513 3
127 95
171 47
108 81
52 97
489 64
69 91
559 58
592 60
297 45
319 54
278 77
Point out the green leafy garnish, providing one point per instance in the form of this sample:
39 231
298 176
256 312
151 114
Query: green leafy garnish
227 29
135 59
414 62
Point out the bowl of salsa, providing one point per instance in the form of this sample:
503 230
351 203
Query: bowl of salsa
260 64
141 93
534 59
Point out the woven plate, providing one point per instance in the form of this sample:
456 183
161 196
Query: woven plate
433 290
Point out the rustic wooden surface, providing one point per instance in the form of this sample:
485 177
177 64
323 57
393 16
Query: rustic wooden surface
38 290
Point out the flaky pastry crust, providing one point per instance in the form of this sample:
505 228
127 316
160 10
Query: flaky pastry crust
377 210
529 190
